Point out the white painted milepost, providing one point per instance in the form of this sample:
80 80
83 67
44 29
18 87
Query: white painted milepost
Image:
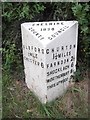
49 55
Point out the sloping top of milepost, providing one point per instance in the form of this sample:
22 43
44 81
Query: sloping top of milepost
45 32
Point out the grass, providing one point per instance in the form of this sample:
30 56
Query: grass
20 102
0 91
0 98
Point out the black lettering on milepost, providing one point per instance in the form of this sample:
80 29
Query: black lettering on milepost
33 55
33 61
57 83
56 55
57 76
42 65
54 71
57 63
47 51
57 70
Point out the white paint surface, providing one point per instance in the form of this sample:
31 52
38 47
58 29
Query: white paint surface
48 48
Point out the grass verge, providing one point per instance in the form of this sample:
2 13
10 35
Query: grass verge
20 102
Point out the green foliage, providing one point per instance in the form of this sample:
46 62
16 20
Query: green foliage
80 73
12 49
18 11
77 75
1 50
10 57
82 14
62 11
